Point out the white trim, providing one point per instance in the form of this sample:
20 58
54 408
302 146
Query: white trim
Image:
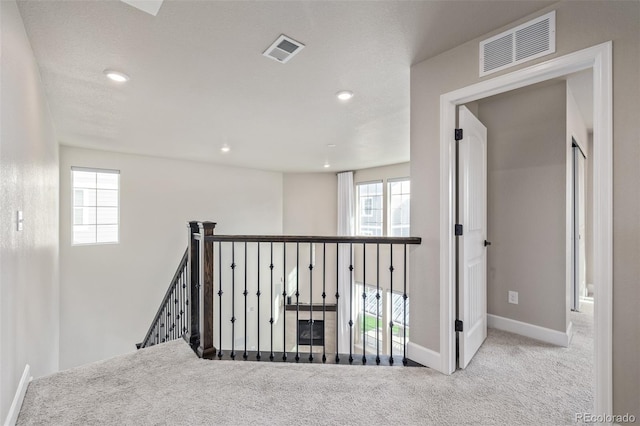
423 356
16 405
532 331
597 58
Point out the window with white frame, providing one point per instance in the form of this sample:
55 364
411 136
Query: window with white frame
399 205
95 204
377 218
370 208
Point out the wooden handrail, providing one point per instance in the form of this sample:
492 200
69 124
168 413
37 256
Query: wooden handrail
314 239
165 299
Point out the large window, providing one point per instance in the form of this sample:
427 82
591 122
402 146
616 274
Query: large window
370 208
384 209
95 205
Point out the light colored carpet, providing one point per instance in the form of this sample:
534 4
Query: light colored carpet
512 380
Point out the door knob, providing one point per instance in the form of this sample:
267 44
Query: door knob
487 243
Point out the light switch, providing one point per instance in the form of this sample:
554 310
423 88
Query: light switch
20 220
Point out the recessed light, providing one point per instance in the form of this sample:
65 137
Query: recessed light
344 95
116 76
225 148
331 145
327 165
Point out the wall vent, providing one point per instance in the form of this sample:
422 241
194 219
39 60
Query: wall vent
283 49
523 43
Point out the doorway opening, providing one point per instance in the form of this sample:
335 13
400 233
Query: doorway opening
598 59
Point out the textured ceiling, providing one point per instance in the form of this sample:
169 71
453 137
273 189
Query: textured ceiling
199 80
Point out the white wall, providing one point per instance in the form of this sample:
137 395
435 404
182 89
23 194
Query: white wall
109 293
29 305
526 204
578 25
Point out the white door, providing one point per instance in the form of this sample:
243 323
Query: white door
472 252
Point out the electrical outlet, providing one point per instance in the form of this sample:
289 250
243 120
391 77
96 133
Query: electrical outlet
513 297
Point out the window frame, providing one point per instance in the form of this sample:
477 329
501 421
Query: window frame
73 206
358 206
389 181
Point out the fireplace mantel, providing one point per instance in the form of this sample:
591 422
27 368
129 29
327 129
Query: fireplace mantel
305 307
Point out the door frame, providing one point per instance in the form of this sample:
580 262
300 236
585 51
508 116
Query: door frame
599 59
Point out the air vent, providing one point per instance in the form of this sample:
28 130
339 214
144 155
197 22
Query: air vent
523 43
283 49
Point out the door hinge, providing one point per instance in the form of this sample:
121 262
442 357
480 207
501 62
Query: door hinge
458 134
458 230
458 325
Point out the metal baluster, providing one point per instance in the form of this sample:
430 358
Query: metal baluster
271 300
180 304
378 303
350 302
391 302
311 322
220 293
364 300
284 296
258 356
297 301
233 300
337 302
324 297
162 327
404 310
245 355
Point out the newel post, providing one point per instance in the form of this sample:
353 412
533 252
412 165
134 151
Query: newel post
206 348
193 333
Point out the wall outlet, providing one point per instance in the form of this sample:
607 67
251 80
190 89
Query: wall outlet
513 297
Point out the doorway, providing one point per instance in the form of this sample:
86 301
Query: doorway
597 58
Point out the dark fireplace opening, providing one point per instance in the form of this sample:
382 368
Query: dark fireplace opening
310 332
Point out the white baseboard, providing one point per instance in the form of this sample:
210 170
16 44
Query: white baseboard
533 331
14 410
424 356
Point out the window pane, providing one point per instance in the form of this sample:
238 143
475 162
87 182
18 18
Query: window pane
84 215
399 208
84 179
107 197
107 216
369 208
84 197
84 234
108 180
107 234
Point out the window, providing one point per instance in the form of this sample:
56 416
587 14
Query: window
370 208
95 205
399 203
377 218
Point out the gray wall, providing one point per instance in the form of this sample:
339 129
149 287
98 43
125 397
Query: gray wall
526 190
109 293
29 305
578 25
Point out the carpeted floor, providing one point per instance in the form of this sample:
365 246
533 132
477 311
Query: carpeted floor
511 381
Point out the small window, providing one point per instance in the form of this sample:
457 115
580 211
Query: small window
96 206
399 207
370 208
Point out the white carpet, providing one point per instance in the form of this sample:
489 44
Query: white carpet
511 381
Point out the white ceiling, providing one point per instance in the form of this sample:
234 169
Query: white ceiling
199 80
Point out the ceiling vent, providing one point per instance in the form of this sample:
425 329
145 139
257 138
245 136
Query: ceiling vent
523 43
283 49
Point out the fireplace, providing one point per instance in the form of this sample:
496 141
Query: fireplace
311 332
